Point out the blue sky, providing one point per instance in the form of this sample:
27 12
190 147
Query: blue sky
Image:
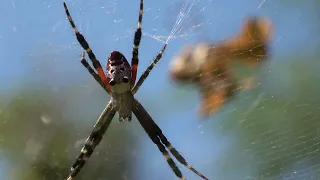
30 24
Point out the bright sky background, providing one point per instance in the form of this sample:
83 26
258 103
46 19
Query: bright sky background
26 25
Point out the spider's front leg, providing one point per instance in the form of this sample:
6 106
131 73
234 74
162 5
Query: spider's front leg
93 140
143 118
156 135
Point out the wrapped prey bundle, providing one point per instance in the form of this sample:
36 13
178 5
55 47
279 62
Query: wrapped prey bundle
208 64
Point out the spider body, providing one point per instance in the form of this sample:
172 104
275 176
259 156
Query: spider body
118 72
119 76
123 104
119 82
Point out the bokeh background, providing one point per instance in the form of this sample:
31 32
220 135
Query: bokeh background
49 103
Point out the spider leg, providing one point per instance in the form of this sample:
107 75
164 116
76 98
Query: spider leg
93 140
143 118
152 128
148 70
135 50
93 73
176 154
96 64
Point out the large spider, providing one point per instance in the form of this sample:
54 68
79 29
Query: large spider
119 84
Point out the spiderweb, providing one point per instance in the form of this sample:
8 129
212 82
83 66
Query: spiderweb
49 103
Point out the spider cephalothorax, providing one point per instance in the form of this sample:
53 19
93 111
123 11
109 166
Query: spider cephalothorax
120 83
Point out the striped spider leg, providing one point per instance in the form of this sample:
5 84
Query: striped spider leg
119 82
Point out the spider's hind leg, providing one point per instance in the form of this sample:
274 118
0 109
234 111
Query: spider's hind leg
82 41
93 73
135 50
145 74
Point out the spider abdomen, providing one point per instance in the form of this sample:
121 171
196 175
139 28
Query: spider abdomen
118 72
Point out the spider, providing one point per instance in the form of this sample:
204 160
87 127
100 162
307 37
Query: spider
119 82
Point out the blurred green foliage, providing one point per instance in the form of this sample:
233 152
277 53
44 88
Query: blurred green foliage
38 145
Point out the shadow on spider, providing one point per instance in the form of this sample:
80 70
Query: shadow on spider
119 83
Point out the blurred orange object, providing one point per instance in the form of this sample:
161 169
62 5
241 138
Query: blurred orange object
208 66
